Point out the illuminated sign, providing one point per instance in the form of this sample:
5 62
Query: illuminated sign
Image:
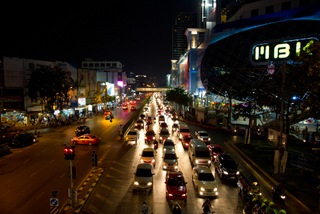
277 50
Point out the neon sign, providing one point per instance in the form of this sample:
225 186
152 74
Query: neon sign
277 50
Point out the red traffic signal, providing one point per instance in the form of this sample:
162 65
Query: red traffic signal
69 153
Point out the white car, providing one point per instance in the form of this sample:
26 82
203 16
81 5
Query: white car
170 160
133 135
204 181
203 135
148 156
143 178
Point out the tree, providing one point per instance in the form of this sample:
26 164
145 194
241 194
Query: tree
49 86
179 96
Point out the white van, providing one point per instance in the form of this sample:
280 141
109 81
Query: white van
199 153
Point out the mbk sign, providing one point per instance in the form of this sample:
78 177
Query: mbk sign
262 53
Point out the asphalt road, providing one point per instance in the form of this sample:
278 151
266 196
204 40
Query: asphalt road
29 175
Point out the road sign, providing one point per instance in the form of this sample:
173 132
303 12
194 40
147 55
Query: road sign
303 162
54 202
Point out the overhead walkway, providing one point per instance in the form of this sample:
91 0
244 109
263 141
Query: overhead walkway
149 89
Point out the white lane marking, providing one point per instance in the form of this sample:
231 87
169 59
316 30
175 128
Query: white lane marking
62 175
33 174
51 161
40 195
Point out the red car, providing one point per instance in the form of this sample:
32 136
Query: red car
176 188
185 140
88 139
150 136
215 150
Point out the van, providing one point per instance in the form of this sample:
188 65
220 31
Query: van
199 153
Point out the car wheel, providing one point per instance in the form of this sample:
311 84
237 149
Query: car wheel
75 142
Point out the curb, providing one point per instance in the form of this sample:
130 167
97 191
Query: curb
94 174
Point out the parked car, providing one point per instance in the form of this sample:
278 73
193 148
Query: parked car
143 178
164 134
139 124
226 167
22 140
170 160
81 130
185 140
88 139
150 136
215 150
148 156
204 181
203 135
176 186
4 150
168 145
133 135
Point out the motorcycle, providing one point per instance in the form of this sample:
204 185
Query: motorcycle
278 197
36 134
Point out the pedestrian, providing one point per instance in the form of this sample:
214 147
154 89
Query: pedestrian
144 208
303 133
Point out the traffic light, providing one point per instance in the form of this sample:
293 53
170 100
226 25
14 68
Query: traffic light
69 153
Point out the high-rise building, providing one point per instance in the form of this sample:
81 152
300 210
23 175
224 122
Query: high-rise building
179 41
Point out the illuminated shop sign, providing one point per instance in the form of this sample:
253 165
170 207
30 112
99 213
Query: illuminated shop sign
277 50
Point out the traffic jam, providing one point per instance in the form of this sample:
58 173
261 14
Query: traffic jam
163 135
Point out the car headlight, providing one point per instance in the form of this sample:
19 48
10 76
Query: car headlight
201 138
164 149
187 144
136 183
197 161
141 160
176 167
214 156
153 138
215 189
160 138
170 194
209 139
225 172
135 124
238 173
172 149
149 183
183 195
164 166
202 189
209 161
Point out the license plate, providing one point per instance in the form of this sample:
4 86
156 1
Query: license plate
233 177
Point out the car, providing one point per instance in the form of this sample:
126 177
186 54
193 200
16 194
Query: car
124 107
175 127
81 130
133 108
163 125
176 186
139 124
148 156
149 120
164 134
295 139
183 130
146 110
88 139
215 150
226 167
161 119
4 150
159 113
203 135
143 177
150 136
133 135
185 140
204 181
142 116
22 140
168 145
170 160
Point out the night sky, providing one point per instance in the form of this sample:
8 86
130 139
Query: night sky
136 33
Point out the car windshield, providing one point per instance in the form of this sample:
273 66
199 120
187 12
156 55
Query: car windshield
163 125
176 181
217 150
230 164
151 133
203 154
206 177
175 125
147 154
184 130
170 156
132 133
164 133
168 143
203 134
144 173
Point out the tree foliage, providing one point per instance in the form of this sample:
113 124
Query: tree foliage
49 86
179 95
